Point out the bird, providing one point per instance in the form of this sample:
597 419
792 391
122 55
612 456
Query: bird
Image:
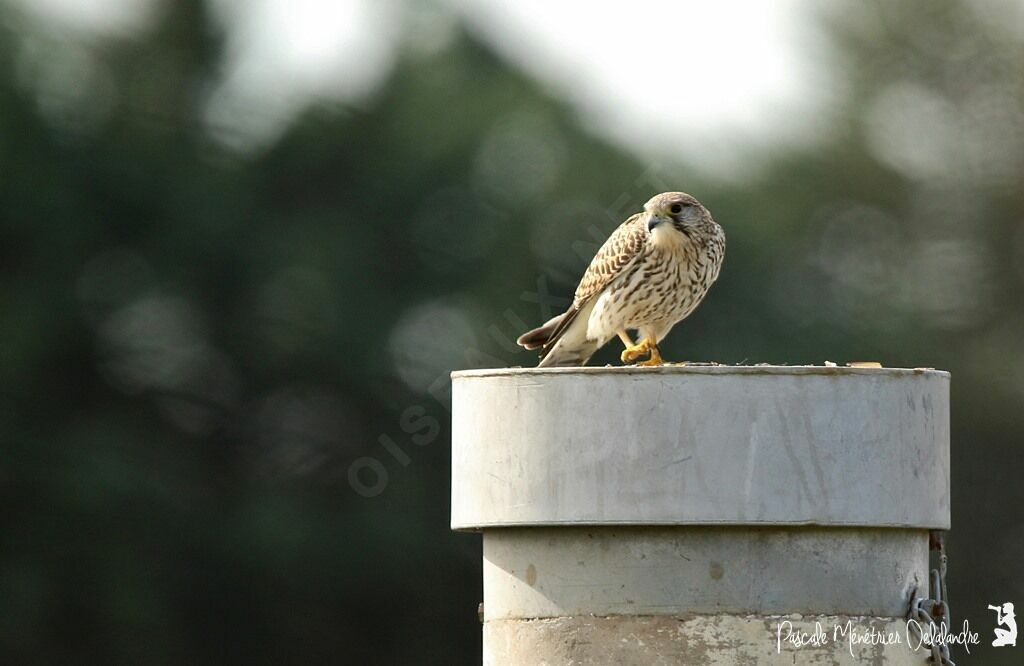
651 273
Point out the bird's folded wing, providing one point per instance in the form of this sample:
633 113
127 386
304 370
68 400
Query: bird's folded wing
618 252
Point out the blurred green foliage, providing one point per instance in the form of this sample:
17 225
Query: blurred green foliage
198 342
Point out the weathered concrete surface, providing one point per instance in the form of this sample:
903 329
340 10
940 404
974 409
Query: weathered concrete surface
664 515
701 445
543 572
706 640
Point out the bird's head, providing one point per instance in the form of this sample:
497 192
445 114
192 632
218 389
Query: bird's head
671 216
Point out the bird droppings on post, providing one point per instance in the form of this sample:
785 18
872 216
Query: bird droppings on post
825 364
699 367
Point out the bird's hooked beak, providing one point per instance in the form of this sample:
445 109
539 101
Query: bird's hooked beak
654 221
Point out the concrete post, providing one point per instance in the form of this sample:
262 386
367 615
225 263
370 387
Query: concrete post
698 515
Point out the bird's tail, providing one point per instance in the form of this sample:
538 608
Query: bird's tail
563 338
564 354
540 336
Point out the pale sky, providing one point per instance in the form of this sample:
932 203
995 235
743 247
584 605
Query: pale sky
685 79
693 81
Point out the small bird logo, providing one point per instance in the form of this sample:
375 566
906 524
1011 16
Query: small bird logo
651 273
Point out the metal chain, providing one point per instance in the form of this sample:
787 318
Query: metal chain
934 611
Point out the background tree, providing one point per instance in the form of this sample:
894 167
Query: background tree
199 340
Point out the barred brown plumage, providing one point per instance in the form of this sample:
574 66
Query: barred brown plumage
650 274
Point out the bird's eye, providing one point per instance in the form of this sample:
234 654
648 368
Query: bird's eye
676 209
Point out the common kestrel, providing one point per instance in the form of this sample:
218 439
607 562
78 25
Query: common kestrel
650 274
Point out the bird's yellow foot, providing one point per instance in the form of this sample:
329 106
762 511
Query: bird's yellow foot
643 348
633 352
655 358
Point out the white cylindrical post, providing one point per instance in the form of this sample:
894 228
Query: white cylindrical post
700 514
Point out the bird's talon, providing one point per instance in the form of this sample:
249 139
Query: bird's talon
630 354
642 348
654 360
